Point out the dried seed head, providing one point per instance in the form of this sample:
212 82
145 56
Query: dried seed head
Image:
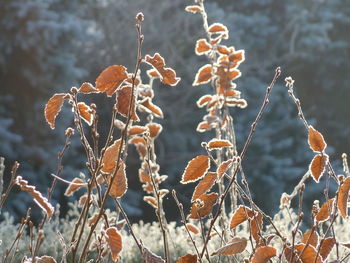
140 17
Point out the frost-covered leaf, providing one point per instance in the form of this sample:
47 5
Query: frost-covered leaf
316 140
202 47
74 186
193 9
149 257
204 185
317 166
235 246
204 206
263 254
109 160
110 79
85 112
343 197
203 75
120 183
124 95
150 107
241 214
325 211
115 242
217 144
53 108
196 169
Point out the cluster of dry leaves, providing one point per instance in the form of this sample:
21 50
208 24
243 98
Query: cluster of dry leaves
133 122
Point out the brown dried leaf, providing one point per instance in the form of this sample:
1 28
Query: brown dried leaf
109 159
152 73
85 112
192 228
151 201
317 166
92 220
110 79
345 244
223 167
120 183
74 186
149 257
316 140
241 214
202 47
204 209
53 108
263 254
256 225
343 197
123 103
136 129
193 9
218 28
138 140
87 88
149 107
235 246
217 144
203 75
41 201
115 242
204 100
196 169
45 259
326 247
204 185
168 75
309 254
82 200
325 211
313 238
241 103
154 129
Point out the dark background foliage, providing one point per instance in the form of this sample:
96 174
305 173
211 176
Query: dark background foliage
49 46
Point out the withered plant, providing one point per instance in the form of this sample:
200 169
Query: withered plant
224 223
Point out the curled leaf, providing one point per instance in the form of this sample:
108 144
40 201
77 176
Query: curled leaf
149 107
193 9
217 144
85 112
110 79
218 28
343 197
154 129
74 186
87 88
151 201
203 206
235 246
196 169
136 129
53 108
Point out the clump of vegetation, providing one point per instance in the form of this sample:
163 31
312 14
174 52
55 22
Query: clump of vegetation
224 223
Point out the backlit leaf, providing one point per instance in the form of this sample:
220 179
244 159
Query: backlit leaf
196 169
92 220
316 140
317 166
204 100
110 79
85 112
263 254
123 103
154 129
204 207
202 47
256 225
309 254
168 75
149 257
326 247
192 228
45 259
312 236
218 28
203 75
53 108
189 258
74 186
151 201
325 211
241 214
241 103
109 160
217 144
223 167
343 197
193 9
115 242
235 246
41 201
87 88
149 107
120 184
204 185
136 129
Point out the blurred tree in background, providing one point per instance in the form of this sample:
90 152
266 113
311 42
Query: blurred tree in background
49 46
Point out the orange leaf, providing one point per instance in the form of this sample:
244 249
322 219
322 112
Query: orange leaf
154 129
316 140
151 201
192 228
203 75
347 244
236 58
44 259
85 112
53 108
204 185
317 166
138 140
189 258
109 160
110 79
193 9
92 220
168 75
343 197
196 169
149 107
203 126
123 103
152 73
241 214
202 47
136 130
223 167
217 144
256 225
308 255
235 246
263 254
115 242
326 247
204 100
218 28
204 206
41 201
82 200
74 186
325 211
87 88
120 183
241 103
313 241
